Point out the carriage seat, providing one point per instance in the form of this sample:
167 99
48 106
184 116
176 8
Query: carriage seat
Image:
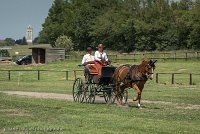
92 68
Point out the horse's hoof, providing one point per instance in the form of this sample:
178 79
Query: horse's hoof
139 107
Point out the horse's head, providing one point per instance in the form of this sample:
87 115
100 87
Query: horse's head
149 68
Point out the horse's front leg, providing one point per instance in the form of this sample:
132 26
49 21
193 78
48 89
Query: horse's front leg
139 94
139 99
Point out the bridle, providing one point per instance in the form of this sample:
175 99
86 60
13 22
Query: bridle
148 66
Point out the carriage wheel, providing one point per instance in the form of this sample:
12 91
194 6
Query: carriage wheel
109 96
124 96
78 89
90 93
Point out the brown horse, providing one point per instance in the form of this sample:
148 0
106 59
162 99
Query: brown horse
132 76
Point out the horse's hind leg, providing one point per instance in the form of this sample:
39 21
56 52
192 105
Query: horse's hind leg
134 86
116 91
118 94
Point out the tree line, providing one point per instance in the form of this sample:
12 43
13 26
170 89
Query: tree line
11 42
124 25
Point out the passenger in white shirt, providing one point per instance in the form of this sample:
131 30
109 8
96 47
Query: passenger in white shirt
101 56
88 58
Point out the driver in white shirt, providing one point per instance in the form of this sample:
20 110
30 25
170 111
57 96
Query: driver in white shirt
100 55
88 62
101 58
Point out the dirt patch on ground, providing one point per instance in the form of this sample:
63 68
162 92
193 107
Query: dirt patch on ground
177 105
97 99
40 95
190 107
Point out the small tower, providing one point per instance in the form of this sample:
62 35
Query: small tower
29 35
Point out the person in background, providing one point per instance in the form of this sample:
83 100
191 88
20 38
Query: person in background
88 58
101 58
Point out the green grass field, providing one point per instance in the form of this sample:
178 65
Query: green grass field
70 117
181 115
176 109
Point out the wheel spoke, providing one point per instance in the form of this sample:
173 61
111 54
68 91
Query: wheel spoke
125 96
109 96
89 93
78 90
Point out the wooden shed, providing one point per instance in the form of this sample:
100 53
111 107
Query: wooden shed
46 55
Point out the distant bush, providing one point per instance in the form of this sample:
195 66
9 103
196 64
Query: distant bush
21 41
64 42
9 41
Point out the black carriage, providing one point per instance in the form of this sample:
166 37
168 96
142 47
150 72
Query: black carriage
85 90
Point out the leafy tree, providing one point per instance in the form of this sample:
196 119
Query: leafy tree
24 42
9 41
81 25
35 41
21 41
64 42
124 25
185 4
194 38
53 28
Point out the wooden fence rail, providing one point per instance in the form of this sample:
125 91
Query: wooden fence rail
190 77
38 72
159 55
164 57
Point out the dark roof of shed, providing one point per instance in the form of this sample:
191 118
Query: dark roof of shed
45 48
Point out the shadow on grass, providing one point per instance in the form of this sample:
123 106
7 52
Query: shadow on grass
143 107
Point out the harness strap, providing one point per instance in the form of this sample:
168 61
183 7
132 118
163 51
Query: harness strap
138 78
130 68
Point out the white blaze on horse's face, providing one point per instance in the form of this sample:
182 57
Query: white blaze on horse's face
151 76
150 73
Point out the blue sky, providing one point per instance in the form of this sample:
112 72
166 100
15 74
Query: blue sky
16 15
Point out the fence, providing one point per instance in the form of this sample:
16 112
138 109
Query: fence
73 74
190 77
152 55
158 55
39 73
